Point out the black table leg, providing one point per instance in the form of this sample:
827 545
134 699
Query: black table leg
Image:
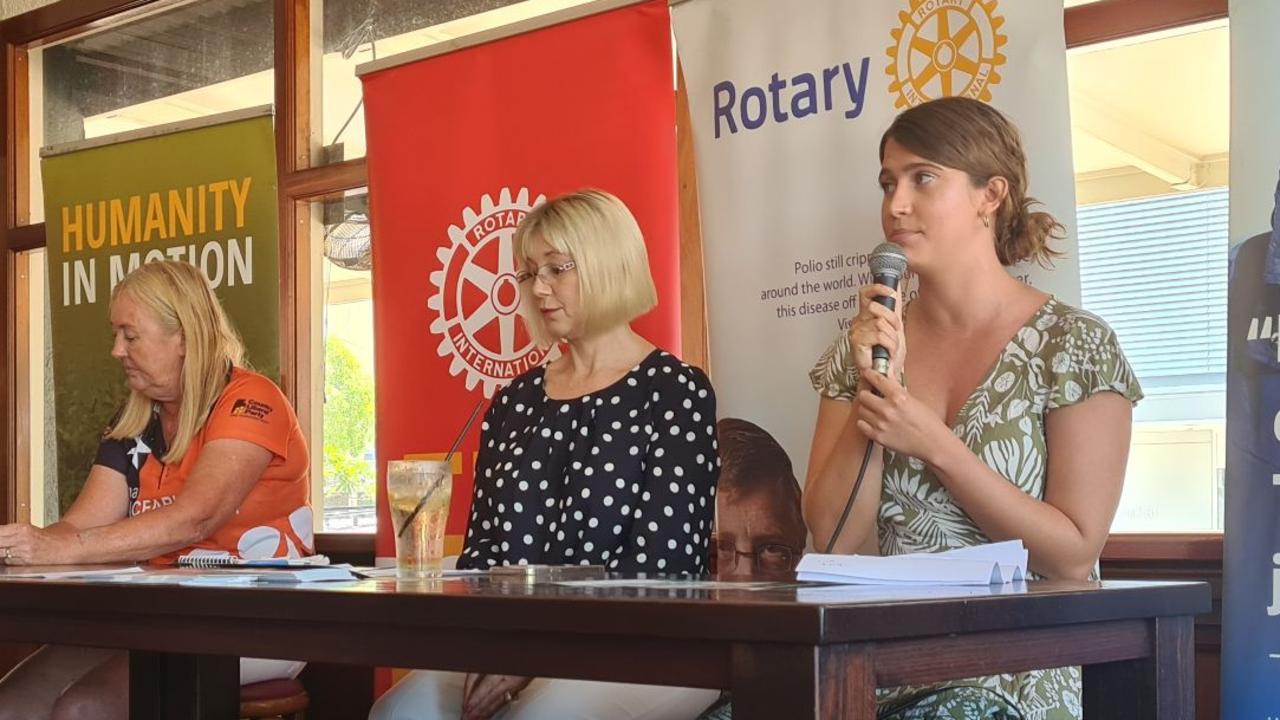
164 686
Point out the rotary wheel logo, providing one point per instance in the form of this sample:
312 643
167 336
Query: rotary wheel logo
945 48
476 296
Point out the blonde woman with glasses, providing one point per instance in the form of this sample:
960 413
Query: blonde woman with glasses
606 456
205 457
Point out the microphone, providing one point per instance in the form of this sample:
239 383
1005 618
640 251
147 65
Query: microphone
888 264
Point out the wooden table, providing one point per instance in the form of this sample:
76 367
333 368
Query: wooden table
785 651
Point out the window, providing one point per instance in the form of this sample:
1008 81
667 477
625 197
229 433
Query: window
1156 269
193 61
360 31
346 322
1151 176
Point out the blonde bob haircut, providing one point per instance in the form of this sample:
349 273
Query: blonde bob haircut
600 234
179 297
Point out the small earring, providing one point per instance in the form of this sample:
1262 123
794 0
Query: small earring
986 221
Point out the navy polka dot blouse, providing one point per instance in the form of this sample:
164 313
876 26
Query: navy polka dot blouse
624 477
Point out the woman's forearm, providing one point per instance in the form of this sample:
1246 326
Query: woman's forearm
1056 546
141 537
827 492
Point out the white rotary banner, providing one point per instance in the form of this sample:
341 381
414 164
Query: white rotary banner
788 101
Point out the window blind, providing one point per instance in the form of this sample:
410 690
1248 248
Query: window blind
1156 270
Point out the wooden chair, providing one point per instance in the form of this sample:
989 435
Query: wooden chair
273 699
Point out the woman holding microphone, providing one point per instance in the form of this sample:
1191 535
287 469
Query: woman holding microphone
1008 418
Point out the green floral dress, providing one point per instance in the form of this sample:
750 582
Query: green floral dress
1061 356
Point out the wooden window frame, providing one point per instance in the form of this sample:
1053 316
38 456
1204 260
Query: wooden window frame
296 78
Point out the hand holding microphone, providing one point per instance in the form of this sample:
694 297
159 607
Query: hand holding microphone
876 333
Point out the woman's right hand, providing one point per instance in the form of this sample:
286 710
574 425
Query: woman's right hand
876 324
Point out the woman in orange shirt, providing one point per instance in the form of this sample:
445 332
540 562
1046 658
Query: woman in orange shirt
204 457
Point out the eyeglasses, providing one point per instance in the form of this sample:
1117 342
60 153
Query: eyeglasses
548 274
769 557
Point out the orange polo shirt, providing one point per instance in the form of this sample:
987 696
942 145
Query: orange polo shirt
275 518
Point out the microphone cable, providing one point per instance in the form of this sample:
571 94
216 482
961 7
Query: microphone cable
853 495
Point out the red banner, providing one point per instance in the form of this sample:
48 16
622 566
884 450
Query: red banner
461 146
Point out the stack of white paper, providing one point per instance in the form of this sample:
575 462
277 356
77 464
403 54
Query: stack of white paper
993 564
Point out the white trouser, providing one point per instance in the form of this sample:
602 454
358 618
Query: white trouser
429 694
254 670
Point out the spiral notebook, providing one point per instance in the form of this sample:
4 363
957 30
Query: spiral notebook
225 559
